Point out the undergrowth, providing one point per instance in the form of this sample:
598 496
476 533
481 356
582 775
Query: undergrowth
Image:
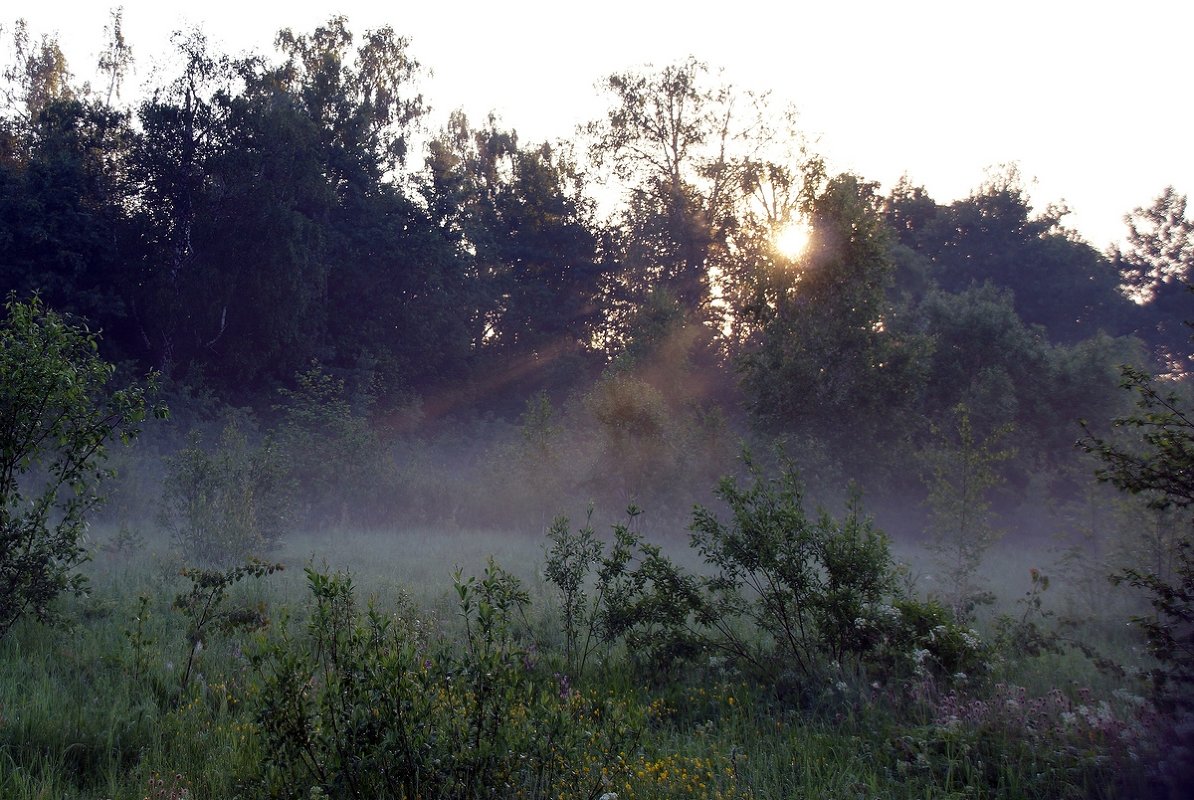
357 687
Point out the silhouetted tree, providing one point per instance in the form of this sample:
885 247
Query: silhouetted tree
829 357
1056 279
519 217
1156 270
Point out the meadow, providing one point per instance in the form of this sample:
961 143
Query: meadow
367 667
362 364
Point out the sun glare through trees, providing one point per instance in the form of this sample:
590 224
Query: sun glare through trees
792 239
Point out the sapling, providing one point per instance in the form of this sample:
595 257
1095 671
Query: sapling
204 607
962 472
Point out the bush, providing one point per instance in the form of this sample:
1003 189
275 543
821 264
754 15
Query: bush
789 596
372 706
635 430
813 587
57 417
924 640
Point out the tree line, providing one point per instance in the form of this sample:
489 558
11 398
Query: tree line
250 216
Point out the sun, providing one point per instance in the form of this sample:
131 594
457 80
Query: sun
792 239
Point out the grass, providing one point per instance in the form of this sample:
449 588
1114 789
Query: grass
97 710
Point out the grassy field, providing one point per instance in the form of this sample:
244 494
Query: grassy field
101 709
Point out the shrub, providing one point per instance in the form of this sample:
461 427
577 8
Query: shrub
203 606
813 587
57 417
634 425
375 706
637 595
789 596
570 559
923 639
794 601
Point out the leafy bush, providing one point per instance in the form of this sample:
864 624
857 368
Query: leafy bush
226 505
634 425
204 606
57 417
372 706
812 587
789 596
570 558
637 595
924 640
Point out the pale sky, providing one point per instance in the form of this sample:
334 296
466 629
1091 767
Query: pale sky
1092 99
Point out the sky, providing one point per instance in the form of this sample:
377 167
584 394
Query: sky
1092 100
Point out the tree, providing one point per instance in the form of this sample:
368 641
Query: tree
692 151
63 190
37 76
962 474
63 212
983 355
518 217
184 129
273 229
117 58
829 358
1057 280
1159 465
1006 371
1160 246
1156 268
361 100
659 137
57 417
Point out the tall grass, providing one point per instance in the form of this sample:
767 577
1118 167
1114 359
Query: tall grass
98 710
